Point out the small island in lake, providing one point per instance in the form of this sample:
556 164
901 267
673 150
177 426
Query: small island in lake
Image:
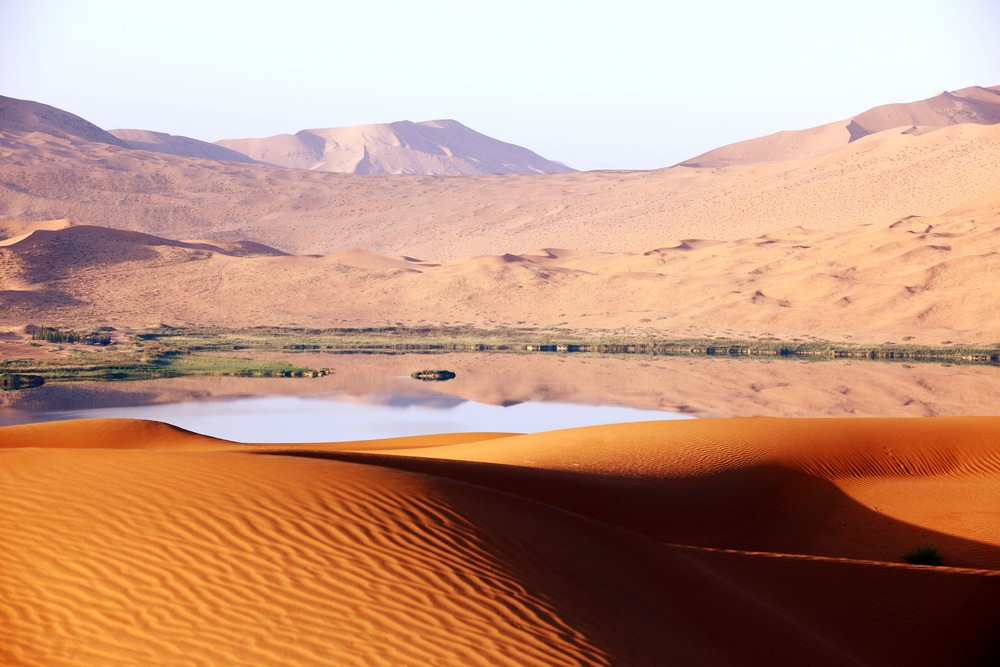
433 375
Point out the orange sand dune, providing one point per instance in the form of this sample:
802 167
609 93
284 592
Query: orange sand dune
707 542
827 474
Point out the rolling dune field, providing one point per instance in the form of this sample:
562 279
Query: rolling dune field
735 541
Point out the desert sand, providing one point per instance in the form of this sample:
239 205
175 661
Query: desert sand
161 142
876 179
728 541
975 104
926 280
744 541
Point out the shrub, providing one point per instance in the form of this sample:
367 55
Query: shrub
433 375
923 555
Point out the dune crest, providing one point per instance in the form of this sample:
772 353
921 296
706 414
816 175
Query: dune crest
975 104
26 116
161 142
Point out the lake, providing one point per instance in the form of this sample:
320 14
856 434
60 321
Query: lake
372 396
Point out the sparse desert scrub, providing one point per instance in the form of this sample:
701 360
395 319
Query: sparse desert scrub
923 555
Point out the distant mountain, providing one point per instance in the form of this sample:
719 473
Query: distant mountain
976 105
161 142
25 116
878 178
430 147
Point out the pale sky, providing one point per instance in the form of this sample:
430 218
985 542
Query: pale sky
621 84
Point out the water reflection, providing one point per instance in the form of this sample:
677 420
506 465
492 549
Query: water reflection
373 395
320 419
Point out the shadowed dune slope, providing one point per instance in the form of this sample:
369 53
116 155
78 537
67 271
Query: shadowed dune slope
161 142
130 542
801 486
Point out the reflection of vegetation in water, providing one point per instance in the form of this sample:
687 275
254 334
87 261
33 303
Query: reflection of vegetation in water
167 351
11 381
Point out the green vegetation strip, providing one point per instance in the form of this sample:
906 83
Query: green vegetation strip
136 360
469 339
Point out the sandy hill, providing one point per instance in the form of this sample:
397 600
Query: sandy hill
969 105
25 116
877 179
920 279
701 542
96 244
34 257
161 142
430 147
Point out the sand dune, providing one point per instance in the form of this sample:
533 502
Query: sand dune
720 542
444 147
25 116
161 142
919 279
736 470
876 179
984 204
968 105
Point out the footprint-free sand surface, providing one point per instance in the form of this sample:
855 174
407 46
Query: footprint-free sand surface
922 280
739 541
729 541
876 179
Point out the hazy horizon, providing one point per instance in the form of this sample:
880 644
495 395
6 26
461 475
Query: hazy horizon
641 87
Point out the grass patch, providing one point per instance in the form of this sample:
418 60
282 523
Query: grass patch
139 361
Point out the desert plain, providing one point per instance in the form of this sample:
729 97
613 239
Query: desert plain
774 529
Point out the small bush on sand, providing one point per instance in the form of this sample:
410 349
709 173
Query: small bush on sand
924 555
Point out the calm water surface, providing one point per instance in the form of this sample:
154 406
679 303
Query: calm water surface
313 419
372 396
245 410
